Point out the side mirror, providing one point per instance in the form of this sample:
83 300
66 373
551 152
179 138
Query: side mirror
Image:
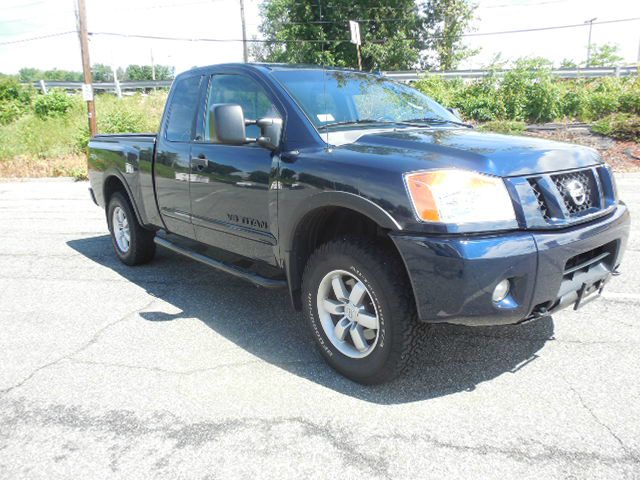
227 125
270 132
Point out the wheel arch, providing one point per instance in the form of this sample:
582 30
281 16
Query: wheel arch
113 183
326 216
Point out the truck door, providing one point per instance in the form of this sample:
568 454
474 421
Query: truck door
231 199
172 164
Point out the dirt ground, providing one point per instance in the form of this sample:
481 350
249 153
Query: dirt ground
622 156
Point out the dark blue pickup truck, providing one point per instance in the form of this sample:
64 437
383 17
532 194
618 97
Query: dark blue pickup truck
375 206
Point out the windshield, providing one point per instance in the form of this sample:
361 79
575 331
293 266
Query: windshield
344 99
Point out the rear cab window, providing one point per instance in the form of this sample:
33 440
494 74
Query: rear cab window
182 111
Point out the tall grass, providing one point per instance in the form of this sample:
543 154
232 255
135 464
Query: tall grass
37 145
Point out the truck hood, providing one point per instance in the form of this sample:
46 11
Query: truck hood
495 154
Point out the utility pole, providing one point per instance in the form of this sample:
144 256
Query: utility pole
245 53
590 22
87 88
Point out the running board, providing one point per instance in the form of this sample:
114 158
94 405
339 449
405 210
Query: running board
235 271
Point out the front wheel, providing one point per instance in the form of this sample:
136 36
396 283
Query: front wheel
359 305
132 243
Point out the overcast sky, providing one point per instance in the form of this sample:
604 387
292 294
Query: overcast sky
21 19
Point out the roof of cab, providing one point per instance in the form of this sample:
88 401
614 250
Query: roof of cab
270 66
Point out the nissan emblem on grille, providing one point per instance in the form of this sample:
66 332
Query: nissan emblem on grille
576 191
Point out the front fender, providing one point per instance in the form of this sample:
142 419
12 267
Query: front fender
295 220
333 199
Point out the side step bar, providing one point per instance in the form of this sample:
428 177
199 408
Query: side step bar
236 271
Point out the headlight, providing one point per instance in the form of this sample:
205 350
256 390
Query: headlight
460 196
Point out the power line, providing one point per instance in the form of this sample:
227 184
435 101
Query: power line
48 16
512 5
372 40
538 29
154 7
41 37
22 5
222 40
331 22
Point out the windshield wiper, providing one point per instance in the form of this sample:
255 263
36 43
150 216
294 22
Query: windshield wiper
362 121
435 121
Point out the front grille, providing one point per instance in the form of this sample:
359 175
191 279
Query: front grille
542 203
555 200
584 261
579 191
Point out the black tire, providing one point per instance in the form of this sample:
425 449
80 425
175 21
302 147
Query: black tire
142 248
381 271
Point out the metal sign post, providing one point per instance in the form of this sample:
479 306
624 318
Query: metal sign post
354 27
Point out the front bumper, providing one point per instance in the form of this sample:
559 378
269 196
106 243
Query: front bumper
453 276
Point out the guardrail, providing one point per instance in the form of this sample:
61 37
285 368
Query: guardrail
44 85
404 76
596 72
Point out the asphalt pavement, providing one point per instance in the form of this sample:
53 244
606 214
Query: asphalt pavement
174 370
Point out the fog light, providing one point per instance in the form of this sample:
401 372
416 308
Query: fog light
501 291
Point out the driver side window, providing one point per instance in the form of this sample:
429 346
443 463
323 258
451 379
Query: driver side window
243 91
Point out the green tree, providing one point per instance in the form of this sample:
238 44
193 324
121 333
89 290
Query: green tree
101 73
61 75
29 74
145 72
568 63
445 21
317 32
604 55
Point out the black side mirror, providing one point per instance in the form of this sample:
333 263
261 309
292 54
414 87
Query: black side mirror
270 132
227 125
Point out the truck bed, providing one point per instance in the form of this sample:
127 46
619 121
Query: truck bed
130 157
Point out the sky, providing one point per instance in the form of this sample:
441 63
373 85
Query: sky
23 19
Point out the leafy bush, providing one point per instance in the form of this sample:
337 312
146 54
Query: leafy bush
480 102
122 121
11 90
54 104
15 100
9 112
623 126
509 127
603 97
529 92
630 98
573 100
445 92
138 113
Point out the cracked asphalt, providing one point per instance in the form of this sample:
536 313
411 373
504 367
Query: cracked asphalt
173 370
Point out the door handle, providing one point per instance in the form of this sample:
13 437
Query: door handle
200 162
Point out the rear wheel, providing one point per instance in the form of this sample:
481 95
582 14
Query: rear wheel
132 243
359 305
